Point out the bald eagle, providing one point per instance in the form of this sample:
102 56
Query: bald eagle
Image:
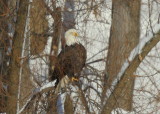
70 60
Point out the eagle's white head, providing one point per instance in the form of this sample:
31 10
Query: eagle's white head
71 37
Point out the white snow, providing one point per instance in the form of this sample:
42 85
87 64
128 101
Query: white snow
48 85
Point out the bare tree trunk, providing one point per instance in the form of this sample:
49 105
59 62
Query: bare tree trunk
4 58
38 25
4 38
124 36
16 54
56 38
68 105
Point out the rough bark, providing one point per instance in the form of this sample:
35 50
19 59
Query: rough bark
16 54
4 38
3 48
4 53
38 25
124 36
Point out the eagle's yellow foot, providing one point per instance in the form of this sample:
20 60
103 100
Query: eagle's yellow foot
74 79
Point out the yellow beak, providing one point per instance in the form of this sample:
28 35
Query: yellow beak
75 34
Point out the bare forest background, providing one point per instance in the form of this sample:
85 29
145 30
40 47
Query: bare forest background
122 72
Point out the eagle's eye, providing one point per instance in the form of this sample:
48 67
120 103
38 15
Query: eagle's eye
74 33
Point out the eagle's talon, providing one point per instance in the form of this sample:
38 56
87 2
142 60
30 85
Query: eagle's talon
74 79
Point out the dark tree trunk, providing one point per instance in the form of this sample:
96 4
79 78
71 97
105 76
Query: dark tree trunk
38 25
16 54
56 39
124 36
4 53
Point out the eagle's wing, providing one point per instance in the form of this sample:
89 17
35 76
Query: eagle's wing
72 59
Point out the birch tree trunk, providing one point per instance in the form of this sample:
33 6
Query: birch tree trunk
16 54
124 36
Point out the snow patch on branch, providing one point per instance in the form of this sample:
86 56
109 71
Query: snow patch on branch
143 42
22 109
48 85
